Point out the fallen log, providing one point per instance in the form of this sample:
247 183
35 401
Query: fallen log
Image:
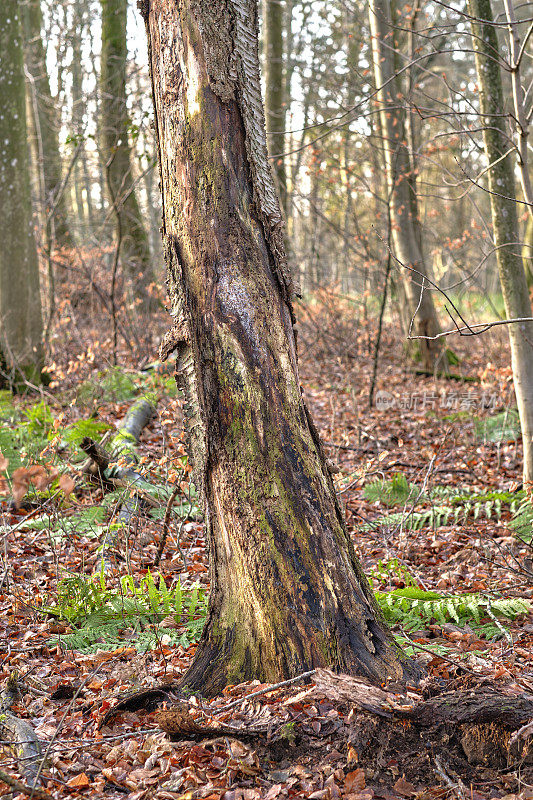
123 451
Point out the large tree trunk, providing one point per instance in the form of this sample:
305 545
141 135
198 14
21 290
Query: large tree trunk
287 593
504 218
45 126
418 312
21 353
275 89
131 233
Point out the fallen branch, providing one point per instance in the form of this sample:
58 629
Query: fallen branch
31 791
122 449
20 734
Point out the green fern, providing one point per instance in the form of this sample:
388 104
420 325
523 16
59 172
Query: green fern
394 492
413 607
503 427
106 618
459 508
522 522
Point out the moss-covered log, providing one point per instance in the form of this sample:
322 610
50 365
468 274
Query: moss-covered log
287 592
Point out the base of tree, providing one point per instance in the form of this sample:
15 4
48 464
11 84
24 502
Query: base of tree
459 738
21 379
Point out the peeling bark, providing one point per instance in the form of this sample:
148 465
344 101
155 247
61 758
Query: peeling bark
287 592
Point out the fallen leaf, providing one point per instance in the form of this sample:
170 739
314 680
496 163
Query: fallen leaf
67 484
80 781
404 788
355 781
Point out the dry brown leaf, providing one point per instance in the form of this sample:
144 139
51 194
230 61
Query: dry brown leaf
4 462
67 484
79 781
20 485
404 788
355 781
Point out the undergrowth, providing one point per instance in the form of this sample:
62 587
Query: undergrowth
103 618
447 505
412 607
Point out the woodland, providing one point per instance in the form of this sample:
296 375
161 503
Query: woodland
266 399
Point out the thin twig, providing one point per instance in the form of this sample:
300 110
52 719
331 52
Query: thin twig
265 690
166 528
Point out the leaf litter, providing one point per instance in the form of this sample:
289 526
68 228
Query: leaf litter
297 740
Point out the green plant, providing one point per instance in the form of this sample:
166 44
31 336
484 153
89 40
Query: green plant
503 427
394 492
412 607
88 522
522 521
385 570
92 428
104 618
457 509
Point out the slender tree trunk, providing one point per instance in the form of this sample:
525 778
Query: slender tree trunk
275 95
21 351
135 249
504 218
287 592
45 125
527 252
420 308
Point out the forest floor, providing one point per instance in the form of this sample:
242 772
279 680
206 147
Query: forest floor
429 476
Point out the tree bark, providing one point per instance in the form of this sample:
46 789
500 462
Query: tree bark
21 330
504 218
135 250
45 126
418 312
287 592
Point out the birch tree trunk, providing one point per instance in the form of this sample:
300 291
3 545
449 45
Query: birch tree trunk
21 353
504 218
45 125
419 307
131 233
287 592
273 23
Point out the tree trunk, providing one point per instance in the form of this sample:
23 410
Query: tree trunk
45 126
527 251
273 24
287 593
132 236
419 307
21 352
504 218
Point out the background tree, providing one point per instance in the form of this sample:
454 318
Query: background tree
499 152
401 189
20 302
44 123
275 19
115 131
287 592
